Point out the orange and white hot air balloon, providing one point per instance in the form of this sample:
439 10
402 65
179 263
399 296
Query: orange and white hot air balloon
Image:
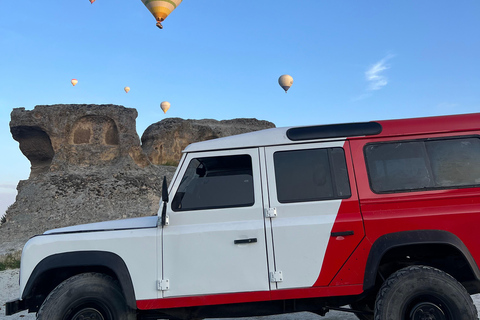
161 9
285 81
165 105
74 82
126 89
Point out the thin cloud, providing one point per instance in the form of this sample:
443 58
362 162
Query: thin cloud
375 74
11 187
362 96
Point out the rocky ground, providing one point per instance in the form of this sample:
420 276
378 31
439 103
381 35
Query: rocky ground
9 291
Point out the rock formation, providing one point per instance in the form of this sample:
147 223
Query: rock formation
164 141
62 137
87 165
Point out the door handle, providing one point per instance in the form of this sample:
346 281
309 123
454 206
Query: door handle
240 241
342 234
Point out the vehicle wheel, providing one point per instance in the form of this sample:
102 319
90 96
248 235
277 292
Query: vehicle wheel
421 292
364 306
91 296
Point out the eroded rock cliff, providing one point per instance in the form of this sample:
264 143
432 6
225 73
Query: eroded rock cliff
87 165
164 141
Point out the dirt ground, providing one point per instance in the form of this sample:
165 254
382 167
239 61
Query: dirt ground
9 290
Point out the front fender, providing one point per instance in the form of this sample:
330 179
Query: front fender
71 263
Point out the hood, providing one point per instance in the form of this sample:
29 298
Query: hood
133 223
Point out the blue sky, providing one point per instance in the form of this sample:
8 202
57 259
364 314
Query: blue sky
350 61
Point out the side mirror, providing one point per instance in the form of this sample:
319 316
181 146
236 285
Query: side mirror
165 201
164 190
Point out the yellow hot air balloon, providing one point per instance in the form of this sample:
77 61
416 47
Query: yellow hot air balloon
285 81
74 82
161 9
165 105
126 89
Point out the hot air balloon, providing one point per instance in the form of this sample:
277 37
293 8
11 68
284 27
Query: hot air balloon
74 82
161 9
165 105
92 1
126 89
285 81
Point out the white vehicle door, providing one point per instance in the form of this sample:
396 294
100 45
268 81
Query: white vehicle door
215 240
306 184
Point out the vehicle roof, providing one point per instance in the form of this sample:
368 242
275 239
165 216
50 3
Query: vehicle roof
397 127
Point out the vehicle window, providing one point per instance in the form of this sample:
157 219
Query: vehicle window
423 164
216 182
455 162
398 166
311 175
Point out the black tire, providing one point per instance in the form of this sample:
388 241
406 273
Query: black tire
92 296
421 292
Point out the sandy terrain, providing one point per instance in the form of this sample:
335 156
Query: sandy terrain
9 291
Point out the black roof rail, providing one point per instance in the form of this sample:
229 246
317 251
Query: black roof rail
334 131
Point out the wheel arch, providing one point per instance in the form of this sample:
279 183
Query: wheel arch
56 268
414 239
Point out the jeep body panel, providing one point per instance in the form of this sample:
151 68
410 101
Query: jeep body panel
309 225
46 271
137 248
453 210
199 251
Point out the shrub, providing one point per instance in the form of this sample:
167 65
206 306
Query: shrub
9 261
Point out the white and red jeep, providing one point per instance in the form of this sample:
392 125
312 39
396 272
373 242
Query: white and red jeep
382 216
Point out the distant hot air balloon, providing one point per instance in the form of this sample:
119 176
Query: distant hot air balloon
165 105
92 1
161 8
126 89
285 81
74 82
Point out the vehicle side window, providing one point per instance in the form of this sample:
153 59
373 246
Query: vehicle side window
216 182
398 166
455 162
311 175
423 164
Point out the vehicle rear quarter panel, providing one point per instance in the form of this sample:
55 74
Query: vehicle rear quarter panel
453 210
